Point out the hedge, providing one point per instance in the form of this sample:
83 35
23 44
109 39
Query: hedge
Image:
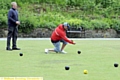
90 14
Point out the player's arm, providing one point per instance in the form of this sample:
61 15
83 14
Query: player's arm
64 37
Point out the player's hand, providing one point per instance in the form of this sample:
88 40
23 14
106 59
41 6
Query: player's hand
18 22
73 42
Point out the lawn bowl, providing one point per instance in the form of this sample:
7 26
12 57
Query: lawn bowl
115 64
79 52
67 67
21 54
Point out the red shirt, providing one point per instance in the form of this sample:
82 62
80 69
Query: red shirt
60 33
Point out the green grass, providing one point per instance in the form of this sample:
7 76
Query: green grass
98 57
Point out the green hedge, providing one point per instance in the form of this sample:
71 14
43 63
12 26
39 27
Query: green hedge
3 21
90 14
50 20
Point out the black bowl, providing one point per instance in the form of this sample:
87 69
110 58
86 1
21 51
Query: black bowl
21 54
115 65
67 67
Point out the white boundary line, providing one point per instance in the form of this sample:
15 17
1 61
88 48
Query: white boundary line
2 39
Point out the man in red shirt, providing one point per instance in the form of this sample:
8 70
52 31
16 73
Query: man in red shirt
59 35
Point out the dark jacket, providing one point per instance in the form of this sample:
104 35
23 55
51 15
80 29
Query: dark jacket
12 17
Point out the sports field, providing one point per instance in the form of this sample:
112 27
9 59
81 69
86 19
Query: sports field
97 56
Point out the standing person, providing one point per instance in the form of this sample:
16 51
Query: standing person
13 23
59 35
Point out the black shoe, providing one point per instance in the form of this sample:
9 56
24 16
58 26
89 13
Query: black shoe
9 49
15 48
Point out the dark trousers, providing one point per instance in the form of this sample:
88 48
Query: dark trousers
12 33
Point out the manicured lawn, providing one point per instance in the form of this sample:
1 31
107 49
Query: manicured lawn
98 57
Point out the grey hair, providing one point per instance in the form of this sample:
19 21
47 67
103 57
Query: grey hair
12 3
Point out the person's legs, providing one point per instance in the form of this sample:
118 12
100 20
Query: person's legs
9 35
14 38
56 49
63 46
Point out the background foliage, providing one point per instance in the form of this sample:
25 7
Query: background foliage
90 14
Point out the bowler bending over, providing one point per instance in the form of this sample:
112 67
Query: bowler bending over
59 35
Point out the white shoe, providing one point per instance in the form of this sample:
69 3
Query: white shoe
46 51
63 52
